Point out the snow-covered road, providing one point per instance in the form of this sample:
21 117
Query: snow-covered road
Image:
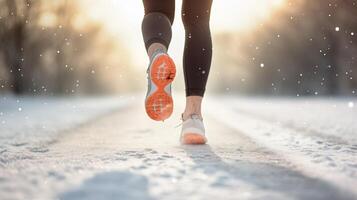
108 149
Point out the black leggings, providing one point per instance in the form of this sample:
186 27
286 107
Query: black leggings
156 28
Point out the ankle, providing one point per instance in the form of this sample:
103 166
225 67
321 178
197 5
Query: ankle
193 107
187 114
156 48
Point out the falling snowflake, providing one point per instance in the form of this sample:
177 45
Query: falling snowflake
351 104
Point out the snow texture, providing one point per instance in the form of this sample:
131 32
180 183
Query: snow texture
107 148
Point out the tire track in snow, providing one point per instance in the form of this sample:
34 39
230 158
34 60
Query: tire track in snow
309 154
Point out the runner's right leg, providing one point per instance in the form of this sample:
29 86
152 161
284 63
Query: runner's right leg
197 63
156 29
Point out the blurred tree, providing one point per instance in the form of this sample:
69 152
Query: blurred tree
306 48
51 47
12 38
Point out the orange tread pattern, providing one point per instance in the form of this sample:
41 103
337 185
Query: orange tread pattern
159 105
193 138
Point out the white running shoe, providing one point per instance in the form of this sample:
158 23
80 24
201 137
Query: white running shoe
193 131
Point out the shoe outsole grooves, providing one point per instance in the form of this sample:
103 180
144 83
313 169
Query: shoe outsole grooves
193 139
159 105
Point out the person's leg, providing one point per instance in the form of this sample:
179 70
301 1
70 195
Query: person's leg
156 29
197 53
156 25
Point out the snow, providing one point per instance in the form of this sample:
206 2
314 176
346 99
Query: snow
104 186
317 135
27 120
351 104
324 116
107 148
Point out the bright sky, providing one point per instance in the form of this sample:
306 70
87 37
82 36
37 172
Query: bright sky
123 18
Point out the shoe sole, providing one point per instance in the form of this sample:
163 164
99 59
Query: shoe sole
159 105
193 139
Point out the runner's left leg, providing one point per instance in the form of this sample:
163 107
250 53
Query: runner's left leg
156 29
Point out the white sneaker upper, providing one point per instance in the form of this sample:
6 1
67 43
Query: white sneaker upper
193 125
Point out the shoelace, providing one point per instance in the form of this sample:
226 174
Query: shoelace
194 117
180 124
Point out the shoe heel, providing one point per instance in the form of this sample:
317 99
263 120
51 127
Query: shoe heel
163 71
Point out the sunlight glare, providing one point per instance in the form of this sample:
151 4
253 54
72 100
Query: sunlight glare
123 19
